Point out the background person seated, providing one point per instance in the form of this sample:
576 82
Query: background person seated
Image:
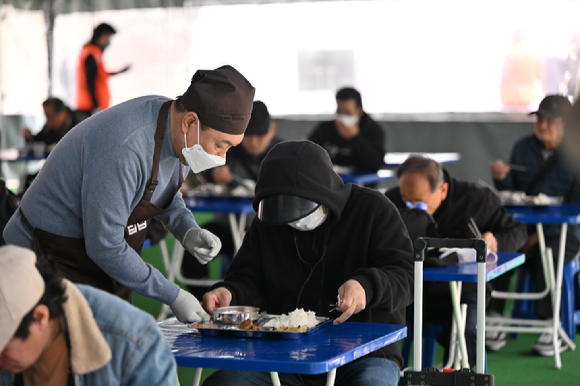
60 119
353 139
56 333
452 204
541 170
315 238
242 166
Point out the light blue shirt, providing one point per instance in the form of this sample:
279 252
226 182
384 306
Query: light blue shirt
92 181
140 354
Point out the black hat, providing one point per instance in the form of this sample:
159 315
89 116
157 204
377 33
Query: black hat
260 120
222 98
553 107
282 209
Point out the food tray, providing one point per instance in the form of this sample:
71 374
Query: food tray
217 329
513 198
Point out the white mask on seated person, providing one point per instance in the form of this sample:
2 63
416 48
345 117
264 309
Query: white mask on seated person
197 158
310 222
348 120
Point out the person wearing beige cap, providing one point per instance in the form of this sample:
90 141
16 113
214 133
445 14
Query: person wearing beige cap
53 332
88 210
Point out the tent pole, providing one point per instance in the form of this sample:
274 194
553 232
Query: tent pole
49 19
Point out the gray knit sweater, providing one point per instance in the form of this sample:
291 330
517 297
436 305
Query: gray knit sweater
90 184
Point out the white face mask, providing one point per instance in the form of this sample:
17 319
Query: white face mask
197 158
348 120
310 222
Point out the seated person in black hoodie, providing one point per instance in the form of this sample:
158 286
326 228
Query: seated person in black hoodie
313 238
452 204
353 139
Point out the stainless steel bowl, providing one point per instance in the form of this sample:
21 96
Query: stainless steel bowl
235 314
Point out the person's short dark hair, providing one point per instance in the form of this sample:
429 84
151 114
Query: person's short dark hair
179 107
347 93
53 297
425 166
101 29
260 120
56 104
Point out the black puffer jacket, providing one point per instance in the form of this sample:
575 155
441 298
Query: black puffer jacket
280 269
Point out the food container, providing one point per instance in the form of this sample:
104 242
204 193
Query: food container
235 314
512 197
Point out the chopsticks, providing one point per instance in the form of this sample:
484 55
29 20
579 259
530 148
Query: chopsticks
473 228
519 168
335 305
491 187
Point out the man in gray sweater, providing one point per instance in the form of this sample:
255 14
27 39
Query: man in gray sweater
88 210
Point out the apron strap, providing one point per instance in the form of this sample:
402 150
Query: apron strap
159 134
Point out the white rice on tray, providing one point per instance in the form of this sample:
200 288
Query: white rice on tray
294 319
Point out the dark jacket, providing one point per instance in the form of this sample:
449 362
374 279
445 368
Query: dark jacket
50 136
465 200
279 269
365 152
558 182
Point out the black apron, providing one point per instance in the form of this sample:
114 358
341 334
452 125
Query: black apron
68 256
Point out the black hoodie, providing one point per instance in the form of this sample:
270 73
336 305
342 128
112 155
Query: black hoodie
279 269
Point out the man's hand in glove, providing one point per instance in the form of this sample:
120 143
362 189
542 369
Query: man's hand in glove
186 308
202 244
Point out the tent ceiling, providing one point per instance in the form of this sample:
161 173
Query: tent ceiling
65 6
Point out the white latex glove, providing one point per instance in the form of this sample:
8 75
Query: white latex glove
202 244
187 309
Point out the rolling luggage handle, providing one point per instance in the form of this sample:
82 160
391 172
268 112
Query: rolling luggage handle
432 376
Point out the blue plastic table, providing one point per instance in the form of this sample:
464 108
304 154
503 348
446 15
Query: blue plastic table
563 214
467 273
219 204
320 352
20 155
225 204
362 178
566 213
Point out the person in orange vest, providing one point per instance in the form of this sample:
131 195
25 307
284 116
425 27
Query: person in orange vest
92 87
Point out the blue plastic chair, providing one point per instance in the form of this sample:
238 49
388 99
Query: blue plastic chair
570 303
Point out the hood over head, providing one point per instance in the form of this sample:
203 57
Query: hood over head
302 169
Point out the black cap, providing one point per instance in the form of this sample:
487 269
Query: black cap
259 121
553 107
222 98
282 209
